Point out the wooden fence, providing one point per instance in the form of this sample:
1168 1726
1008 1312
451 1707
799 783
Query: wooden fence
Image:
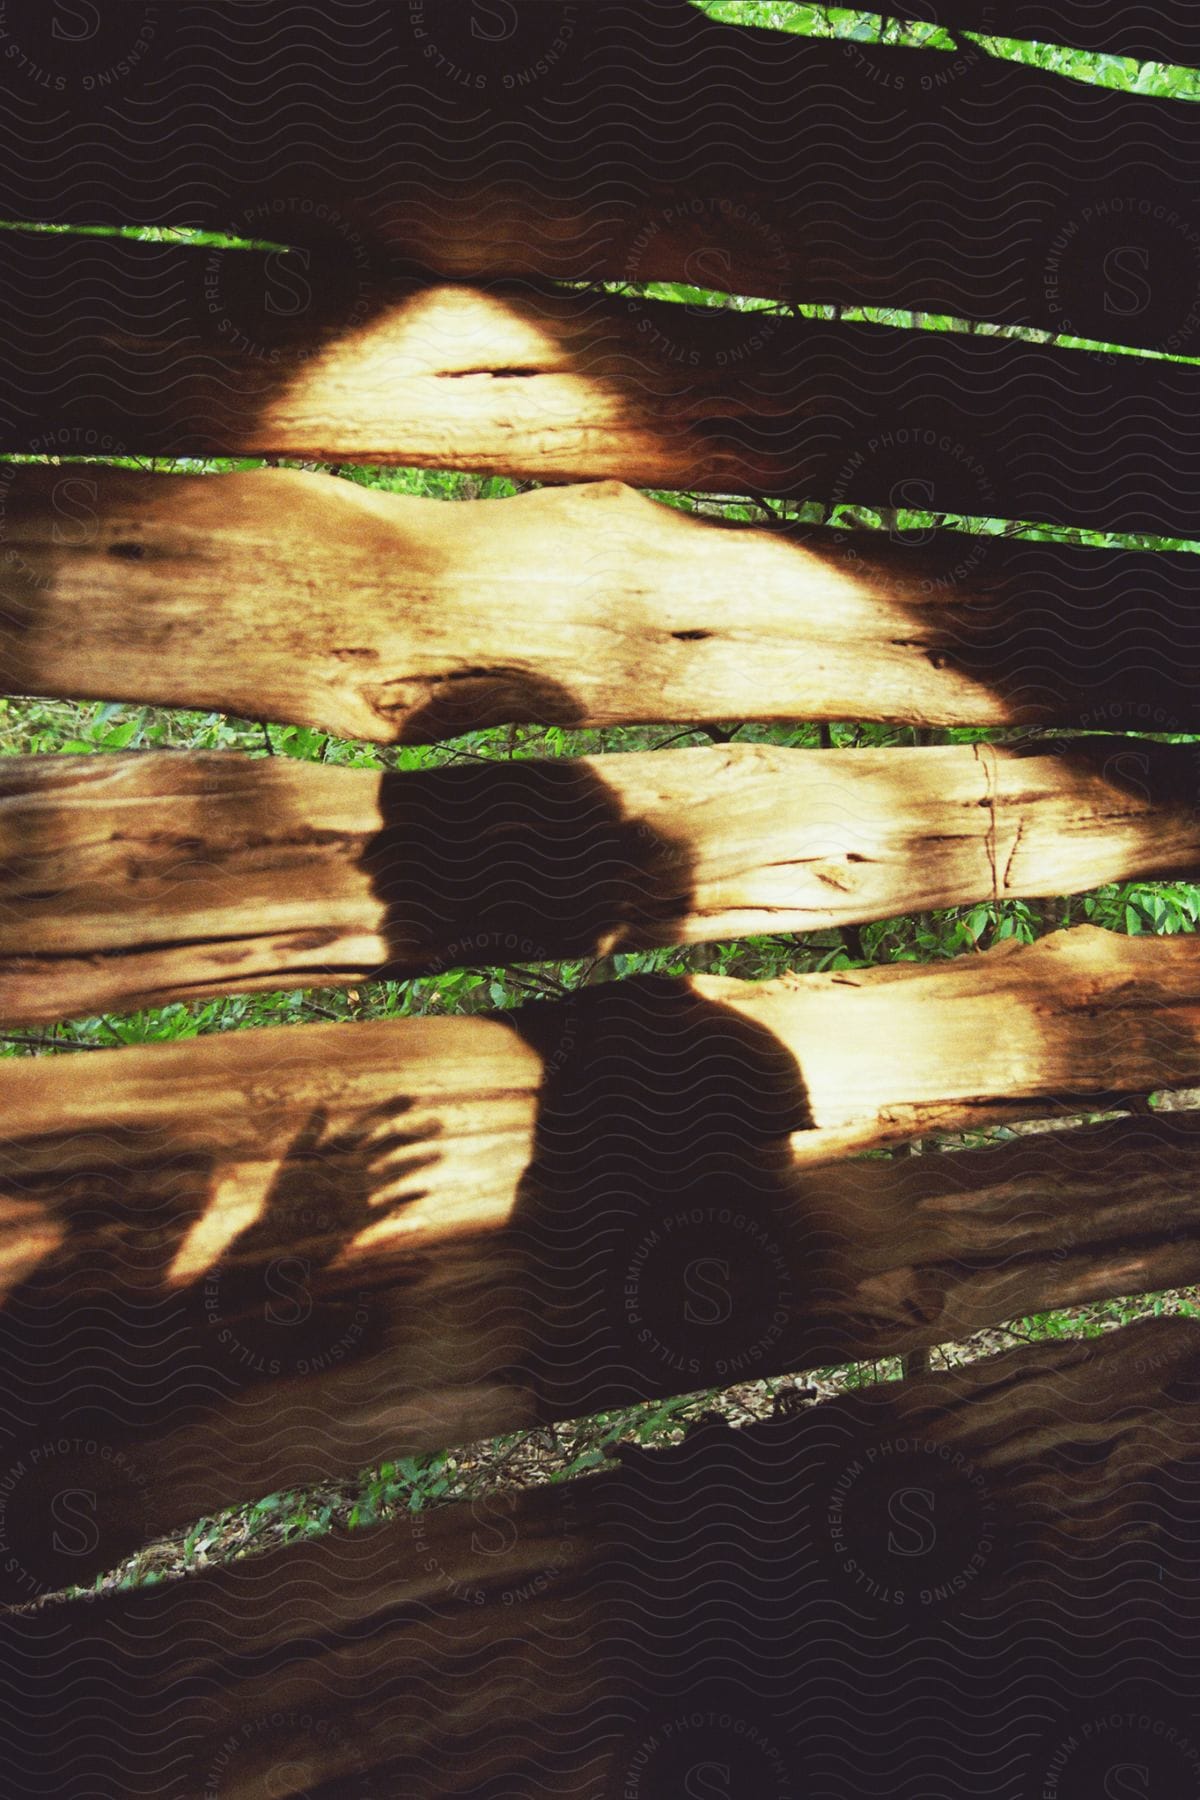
265 1259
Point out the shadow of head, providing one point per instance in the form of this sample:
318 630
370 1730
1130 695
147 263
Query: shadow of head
472 699
521 861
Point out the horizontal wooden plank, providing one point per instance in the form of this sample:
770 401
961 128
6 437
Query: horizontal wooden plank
571 146
889 1066
572 606
132 879
117 344
263 1259
563 1636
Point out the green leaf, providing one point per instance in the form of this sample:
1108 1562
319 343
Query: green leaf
977 921
121 734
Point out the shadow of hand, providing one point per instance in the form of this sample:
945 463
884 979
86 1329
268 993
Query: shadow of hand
328 1188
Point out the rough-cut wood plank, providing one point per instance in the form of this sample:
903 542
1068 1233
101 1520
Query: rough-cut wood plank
1083 1013
931 1248
132 879
789 1577
257 1261
635 142
557 386
442 1671
290 596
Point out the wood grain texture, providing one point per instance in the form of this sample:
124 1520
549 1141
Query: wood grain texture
127 348
132 879
562 1639
291 596
567 147
1082 1013
260 1260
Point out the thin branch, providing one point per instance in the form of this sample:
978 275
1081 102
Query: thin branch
473 754
761 501
688 731
47 1043
537 984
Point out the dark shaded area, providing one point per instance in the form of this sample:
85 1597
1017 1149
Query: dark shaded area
1099 639
718 1628
101 1353
902 1613
659 1233
1165 776
922 179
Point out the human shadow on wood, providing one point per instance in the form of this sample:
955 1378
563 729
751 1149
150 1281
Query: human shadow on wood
662 1246
520 861
106 1349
